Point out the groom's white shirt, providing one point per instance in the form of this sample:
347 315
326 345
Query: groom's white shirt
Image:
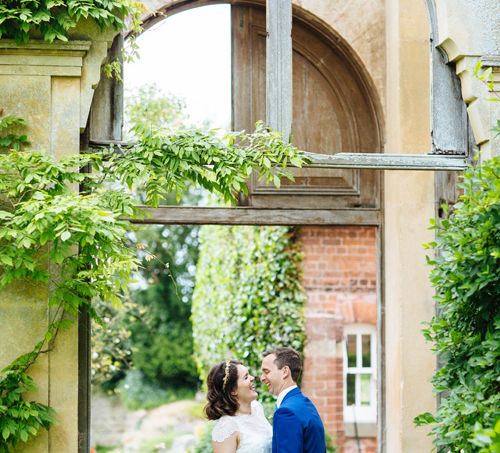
282 395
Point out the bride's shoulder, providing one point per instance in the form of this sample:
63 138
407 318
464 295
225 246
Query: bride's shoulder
257 407
225 427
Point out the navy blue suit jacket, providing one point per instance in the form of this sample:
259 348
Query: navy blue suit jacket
297 427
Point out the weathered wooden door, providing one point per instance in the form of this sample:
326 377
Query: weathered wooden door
333 111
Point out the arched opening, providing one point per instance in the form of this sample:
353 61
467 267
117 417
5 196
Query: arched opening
336 105
336 109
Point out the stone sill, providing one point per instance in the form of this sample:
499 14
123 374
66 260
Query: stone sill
365 429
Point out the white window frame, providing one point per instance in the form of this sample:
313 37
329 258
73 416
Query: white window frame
357 413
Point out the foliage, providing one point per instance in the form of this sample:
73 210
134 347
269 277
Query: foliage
165 162
53 19
103 449
247 295
487 439
83 236
330 447
111 342
487 77
20 419
149 107
86 243
204 441
163 342
465 331
156 336
12 141
168 358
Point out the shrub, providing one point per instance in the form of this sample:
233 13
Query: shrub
465 330
168 357
247 295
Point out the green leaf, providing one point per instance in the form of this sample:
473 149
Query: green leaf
65 236
23 435
6 215
5 259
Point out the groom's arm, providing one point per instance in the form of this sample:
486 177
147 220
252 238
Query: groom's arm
287 432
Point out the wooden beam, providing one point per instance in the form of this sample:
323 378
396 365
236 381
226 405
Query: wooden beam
279 66
374 161
388 161
185 215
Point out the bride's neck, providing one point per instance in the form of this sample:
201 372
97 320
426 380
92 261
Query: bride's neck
244 409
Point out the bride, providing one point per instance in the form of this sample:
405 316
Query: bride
232 400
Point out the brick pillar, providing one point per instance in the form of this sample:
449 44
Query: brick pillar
339 276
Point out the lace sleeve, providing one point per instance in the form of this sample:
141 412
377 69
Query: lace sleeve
224 428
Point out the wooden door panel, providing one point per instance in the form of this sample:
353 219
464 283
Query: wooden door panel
329 115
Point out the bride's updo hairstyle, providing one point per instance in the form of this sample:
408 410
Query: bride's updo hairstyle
222 381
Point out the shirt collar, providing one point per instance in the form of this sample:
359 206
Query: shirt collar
282 395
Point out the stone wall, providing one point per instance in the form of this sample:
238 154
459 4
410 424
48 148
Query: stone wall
51 87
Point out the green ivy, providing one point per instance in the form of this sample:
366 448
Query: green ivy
466 329
248 295
84 235
20 419
54 18
12 140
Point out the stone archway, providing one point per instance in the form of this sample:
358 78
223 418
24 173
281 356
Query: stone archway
336 72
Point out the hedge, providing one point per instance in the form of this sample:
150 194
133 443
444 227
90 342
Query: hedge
466 328
247 296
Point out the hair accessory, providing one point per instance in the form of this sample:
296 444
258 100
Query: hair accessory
226 374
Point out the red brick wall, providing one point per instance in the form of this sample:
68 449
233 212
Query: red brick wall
339 277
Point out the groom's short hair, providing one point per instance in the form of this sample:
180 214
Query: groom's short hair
287 357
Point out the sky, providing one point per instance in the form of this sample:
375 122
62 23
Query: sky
189 55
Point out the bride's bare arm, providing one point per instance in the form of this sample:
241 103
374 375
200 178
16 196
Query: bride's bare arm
228 445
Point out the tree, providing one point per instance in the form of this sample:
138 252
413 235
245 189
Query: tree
155 336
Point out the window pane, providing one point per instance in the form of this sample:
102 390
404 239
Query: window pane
366 347
351 390
351 350
365 389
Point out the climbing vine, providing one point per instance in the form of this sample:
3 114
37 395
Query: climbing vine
43 220
247 296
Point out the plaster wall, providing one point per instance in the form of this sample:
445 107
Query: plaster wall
408 206
362 24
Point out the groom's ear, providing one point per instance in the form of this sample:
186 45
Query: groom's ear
286 371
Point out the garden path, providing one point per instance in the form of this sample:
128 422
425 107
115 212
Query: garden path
171 428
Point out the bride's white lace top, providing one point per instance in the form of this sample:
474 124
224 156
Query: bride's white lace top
256 434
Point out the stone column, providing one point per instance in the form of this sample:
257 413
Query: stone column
51 87
408 206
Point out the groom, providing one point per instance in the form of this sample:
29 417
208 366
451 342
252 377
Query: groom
297 427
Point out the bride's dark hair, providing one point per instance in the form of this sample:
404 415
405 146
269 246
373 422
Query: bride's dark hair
222 381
